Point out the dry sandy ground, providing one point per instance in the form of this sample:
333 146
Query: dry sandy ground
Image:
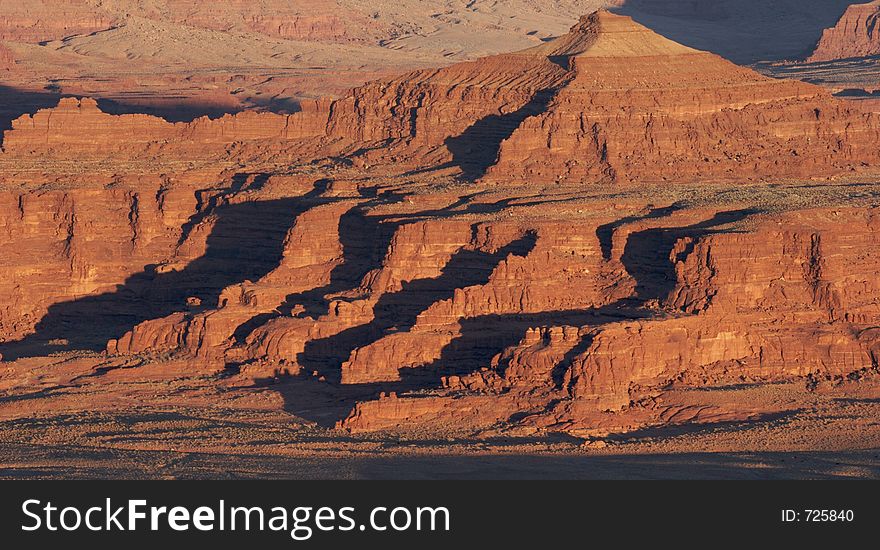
141 428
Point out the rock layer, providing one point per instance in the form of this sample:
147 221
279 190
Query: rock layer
41 20
611 101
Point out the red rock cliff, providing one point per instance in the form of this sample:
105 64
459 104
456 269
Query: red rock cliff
857 34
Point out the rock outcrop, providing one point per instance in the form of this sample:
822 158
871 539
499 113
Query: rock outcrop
63 245
78 128
640 107
484 244
769 304
611 101
857 34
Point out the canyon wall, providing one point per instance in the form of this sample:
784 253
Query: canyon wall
477 244
609 102
42 20
857 34
772 303
67 244
613 101
7 58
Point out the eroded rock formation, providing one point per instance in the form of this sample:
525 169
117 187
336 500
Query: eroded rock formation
480 245
614 101
640 107
857 34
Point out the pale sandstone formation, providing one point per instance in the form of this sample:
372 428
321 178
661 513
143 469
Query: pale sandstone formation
857 34
299 20
42 20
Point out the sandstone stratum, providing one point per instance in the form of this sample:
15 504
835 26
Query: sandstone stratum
604 234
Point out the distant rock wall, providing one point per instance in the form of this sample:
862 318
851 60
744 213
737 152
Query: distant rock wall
36 21
857 34
77 127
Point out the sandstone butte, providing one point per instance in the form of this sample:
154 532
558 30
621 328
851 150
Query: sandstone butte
547 239
857 34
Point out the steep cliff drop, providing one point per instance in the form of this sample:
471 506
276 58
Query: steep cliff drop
857 34
581 241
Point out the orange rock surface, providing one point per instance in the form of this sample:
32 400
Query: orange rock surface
568 238
857 34
641 107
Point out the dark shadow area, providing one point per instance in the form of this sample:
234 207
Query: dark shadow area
172 110
605 233
562 367
858 93
646 256
275 104
483 337
743 31
15 103
327 402
365 240
861 62
399 310
245 243
694 428
208 200
476 149
31 461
